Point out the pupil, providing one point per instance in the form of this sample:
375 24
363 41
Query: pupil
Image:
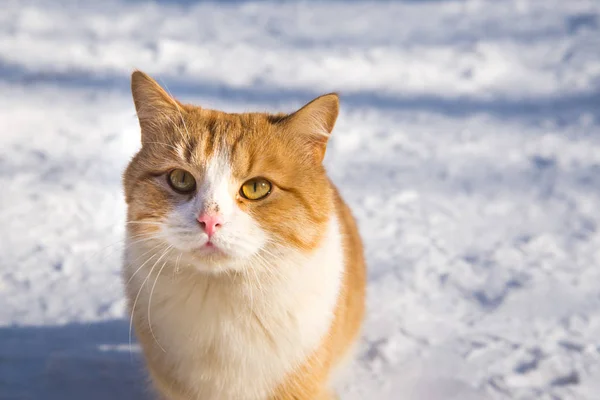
255 186
182 179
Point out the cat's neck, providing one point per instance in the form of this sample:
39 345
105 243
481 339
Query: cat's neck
280 313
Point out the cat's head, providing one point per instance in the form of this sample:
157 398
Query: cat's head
223 190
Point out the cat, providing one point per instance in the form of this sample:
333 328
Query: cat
243 267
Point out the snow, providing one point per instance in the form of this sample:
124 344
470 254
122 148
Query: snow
468 147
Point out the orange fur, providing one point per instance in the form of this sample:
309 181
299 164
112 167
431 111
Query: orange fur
310 380
253 298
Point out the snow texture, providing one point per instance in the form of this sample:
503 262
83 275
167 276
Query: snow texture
468 146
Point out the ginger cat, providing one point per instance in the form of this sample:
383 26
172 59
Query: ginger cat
243 269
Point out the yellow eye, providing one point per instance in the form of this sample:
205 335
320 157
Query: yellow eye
181 181
255 189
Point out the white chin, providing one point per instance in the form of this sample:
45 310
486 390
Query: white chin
212 260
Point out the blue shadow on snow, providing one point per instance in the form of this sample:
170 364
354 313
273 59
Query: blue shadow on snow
70 362
562 108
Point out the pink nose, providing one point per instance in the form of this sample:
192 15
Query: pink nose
210 223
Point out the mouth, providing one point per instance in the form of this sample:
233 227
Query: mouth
209 249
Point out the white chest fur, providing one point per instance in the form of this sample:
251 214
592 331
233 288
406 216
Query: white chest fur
235 337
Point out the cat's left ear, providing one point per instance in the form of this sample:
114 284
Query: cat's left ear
155 108
315 121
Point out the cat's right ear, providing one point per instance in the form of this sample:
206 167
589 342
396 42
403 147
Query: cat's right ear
155 108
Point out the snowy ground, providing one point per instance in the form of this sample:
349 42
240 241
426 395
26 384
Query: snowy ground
468 147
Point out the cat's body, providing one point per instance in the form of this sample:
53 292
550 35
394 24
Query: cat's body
236 297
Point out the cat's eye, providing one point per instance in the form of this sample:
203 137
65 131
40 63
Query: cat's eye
255 189
181 181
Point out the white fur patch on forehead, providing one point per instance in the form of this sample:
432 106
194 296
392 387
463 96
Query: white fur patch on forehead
214 189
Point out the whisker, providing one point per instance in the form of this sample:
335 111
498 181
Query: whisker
150 306
143 222
141 266
143 240
177 262
138 295
163 144
114 249
253 286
